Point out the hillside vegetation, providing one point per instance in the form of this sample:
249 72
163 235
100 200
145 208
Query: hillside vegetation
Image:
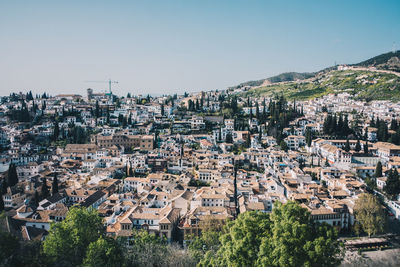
387 61
365 85
284 77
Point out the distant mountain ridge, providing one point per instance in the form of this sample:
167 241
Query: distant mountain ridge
283 77
387 61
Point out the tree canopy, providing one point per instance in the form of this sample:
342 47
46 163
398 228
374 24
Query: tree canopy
286 237
369 214
68 240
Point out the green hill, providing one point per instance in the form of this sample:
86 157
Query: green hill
362 84
365 85
283 77
387 61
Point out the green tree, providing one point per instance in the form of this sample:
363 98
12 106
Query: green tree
327 163
45 189
284 146
103 252
1 201
298 241
8 247
146 249
378 169
68 240
309 137
366 148
286 237
392 187
162 110
4 186
358 146
207 241
229 138
369 213
12 175
56 131
36 199
54 186
347 146
241 241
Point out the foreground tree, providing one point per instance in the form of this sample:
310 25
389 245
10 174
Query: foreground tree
241 241
296 240
287 237
150 250
369 213
103 252
68 240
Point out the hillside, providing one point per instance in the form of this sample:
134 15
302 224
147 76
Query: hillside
284 77
387 61
361 84
376 83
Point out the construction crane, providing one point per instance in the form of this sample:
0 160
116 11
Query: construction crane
109 83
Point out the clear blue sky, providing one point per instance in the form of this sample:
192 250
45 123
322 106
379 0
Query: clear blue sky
161 47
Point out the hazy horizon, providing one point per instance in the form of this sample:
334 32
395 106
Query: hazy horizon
167 47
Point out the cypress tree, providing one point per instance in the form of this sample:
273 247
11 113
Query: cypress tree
358 146
347 146
366 148
3 188
56 131
162 109
54 186
378 169
36 199
308 137
257 111
45 189
12 175
1 202
235 195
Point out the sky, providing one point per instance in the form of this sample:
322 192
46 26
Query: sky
165 47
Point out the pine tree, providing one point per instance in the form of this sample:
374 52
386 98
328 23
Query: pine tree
54 186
